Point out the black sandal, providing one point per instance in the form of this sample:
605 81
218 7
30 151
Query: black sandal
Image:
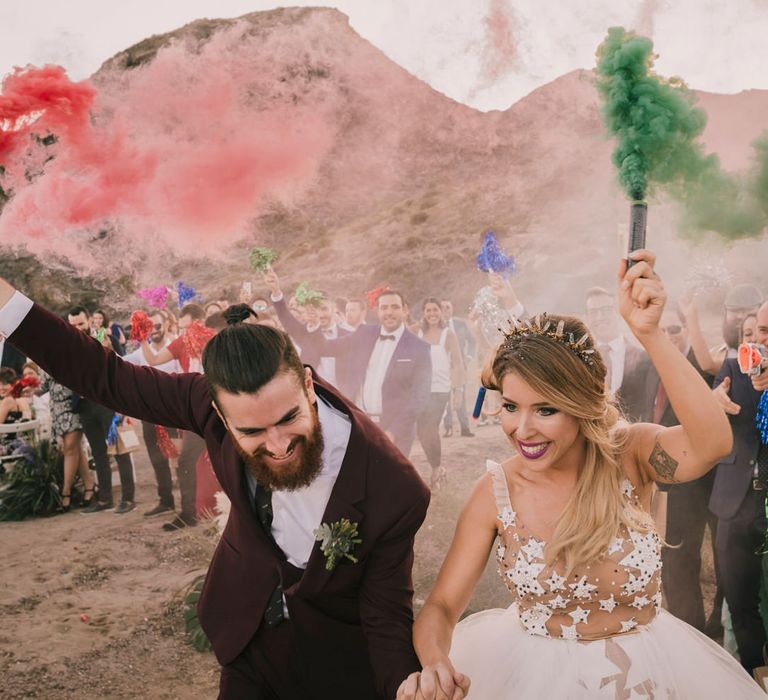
62 507
87 501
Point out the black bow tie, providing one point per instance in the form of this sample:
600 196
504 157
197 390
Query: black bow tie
386 337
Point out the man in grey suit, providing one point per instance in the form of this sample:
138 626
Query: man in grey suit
631 376
468 347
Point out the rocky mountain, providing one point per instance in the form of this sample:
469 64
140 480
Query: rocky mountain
410 180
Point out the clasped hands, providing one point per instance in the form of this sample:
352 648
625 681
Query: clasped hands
439 681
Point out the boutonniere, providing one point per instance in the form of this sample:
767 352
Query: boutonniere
337 540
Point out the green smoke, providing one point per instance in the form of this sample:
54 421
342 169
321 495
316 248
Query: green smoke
656 125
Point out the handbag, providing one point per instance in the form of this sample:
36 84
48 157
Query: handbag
127 439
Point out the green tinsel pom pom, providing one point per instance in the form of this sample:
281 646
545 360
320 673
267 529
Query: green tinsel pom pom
262 258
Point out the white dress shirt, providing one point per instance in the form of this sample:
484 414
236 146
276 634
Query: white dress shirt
614 353
326 368
13 313
297 514
377 370
137 358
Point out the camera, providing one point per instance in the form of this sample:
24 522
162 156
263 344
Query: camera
751 358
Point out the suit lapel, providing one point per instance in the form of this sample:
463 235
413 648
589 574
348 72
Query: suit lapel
240 496
348 490
401 352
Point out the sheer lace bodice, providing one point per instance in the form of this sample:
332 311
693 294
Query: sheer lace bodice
610 596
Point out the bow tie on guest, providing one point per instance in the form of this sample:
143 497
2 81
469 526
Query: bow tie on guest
382 336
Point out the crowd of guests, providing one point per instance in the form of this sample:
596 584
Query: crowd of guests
414 370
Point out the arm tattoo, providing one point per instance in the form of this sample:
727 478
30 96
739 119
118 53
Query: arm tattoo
663 463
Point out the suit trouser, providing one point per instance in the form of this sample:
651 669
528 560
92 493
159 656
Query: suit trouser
192 446
271 667
96 420
428 427
159 463
127 483
459 397
688 515
739 541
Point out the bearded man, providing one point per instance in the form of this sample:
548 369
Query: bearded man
291 613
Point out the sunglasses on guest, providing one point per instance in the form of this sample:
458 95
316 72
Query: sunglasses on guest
672 329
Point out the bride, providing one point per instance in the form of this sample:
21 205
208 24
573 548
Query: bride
576 544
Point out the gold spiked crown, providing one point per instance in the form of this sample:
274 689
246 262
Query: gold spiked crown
544 326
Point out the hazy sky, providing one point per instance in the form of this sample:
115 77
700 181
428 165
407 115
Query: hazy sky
715 45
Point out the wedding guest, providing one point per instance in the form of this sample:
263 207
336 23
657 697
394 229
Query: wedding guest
158 446
447 373
631 375
388 369
687 513
577 550
738 500
188 350
10 356
355 311
741 301
67 429
95 421
468 349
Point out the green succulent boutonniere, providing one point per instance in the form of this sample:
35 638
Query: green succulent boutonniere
337 540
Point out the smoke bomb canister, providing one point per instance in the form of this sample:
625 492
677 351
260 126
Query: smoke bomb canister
637 224
478 403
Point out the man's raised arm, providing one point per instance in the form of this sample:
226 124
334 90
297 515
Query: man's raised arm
81 363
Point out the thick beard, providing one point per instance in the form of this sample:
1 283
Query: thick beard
293 475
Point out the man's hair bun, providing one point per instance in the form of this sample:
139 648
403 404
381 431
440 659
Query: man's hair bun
237 313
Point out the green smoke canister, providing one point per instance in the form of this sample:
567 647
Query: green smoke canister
637 224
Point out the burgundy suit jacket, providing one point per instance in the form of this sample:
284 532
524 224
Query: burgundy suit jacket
353 624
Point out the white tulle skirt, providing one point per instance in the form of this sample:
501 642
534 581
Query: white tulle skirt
665 660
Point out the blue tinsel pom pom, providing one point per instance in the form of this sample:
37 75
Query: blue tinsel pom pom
493 259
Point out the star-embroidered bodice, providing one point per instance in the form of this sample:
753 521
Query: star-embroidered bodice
610 596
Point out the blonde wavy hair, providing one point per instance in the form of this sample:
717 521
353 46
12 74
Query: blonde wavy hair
597 509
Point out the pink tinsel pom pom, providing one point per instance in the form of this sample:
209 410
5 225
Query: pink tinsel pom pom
155 296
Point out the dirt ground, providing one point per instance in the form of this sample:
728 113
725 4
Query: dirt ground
91 605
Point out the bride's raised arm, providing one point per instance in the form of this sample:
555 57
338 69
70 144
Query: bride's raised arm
689 450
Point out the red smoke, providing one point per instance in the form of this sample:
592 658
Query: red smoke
500 51
39 101
172 155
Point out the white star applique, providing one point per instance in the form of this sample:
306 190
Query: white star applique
626 488
633 585
616 546
569 632
645 554
507 517
535 619
579 615
628 625
533 549
525 576
582 589
640 602
657 600
501 550
608 604
558 602
555 582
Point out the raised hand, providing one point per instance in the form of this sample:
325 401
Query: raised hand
272 281
641 293
721 394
